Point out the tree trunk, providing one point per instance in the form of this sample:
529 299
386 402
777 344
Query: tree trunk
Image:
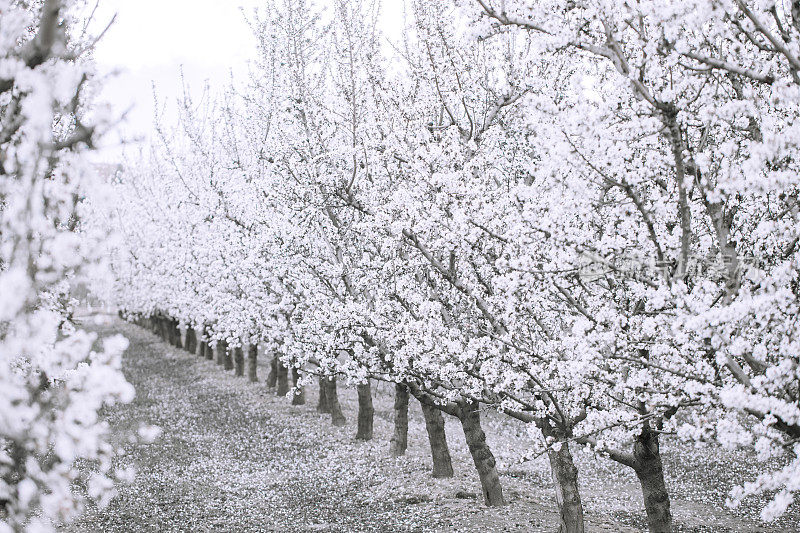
252 363
176 334
650 471
565 476
272 377
366 412
201 342
333 401
210 350
399 442
299 397
193 347
282 379
228 359
221 349
323 406
170 331
434 424
481 455
199 349
238 361
191 340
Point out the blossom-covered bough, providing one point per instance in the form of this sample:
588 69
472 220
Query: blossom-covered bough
683 171
582 215
53 381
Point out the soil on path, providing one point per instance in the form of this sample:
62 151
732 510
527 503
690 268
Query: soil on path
233 457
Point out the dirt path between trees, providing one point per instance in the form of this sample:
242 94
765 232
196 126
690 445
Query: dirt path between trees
233 457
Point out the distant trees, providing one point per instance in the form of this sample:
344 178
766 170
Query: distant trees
582 215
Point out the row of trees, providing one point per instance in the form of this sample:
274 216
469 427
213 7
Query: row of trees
56 455
581 214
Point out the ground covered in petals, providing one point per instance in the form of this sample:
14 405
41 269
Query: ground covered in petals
234 457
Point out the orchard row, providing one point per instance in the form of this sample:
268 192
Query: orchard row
328 399
457 213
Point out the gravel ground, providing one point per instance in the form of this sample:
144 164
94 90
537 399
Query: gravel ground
234 457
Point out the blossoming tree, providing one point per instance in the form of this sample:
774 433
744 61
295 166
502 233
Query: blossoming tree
52 380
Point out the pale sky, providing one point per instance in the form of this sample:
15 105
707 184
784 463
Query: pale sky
152 39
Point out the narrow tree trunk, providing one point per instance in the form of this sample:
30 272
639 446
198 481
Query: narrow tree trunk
170 327
282 379
176 334
272 377
299 397
238 361
323 406
481 455
221 350
650 471
399 442
337 417
191 340
201 342
565 476
434 424
199 346
252 363
366 412
210 350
